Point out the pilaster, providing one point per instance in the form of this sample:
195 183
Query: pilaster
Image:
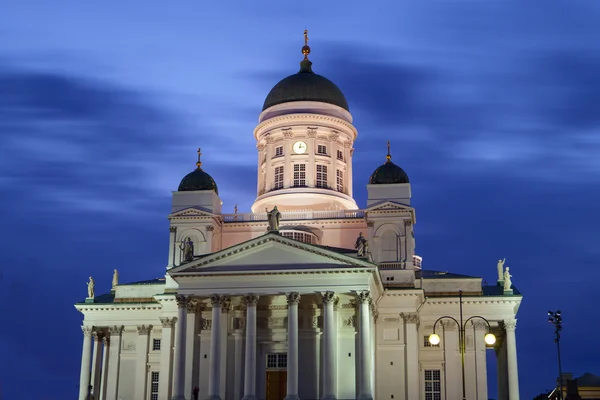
141 372
166 357
480 329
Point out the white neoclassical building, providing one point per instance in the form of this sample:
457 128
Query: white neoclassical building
318 299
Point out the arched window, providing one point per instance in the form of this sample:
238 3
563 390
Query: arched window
389 246
301 236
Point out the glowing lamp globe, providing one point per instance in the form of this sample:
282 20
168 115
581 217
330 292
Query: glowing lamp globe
434 339
490 338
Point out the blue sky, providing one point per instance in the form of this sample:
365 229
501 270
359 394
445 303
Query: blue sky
492 109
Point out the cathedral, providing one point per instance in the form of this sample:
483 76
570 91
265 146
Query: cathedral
306 296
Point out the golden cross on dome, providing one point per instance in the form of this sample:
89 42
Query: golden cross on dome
199 163
306 37
306 48
389 156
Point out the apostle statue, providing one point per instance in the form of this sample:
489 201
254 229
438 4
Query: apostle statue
361 245
115 280
187 247
273 217
90 286
507 280
500 267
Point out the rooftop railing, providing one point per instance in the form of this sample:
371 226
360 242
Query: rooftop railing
296 215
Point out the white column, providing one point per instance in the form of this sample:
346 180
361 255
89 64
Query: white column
364 341
166 357
348 175
112 383
141 370
480 329
225 305
238 345
411 321
86 355
172 233
179 356
251 301
501 367
328 346
190 348
96 363
511 360
292 353
104 373
214 370
452 368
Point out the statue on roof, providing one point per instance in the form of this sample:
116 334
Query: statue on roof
90 286
115 280
500 267
187 247
361 245
273 217
507 280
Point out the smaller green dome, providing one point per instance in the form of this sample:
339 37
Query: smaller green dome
198 180
388 173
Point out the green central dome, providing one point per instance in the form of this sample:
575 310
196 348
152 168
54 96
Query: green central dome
306 86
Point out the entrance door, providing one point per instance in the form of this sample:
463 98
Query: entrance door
276 376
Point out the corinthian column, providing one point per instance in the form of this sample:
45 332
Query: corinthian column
172 233
179 359
251 301
190 346
105 361
328 347
86 355
292 354
166 357
511 359
214 370
96 363
365 391
112 383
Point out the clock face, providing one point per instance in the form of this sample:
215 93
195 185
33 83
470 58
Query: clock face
299 148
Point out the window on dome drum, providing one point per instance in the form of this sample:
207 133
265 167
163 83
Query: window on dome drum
340 155
278 151
156 345
321 176
154 386
277 361
427 343
322 149
278 184
299 236
433 384
299 175
339 180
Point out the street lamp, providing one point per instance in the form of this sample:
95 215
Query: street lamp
555 318
489 338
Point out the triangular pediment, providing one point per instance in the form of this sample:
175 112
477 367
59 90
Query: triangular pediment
191 212
387 205
271 252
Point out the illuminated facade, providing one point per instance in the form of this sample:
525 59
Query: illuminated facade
252 309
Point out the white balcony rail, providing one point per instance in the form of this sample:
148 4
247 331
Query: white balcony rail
296 215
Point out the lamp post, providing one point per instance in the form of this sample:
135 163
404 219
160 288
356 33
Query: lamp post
489 338
555 318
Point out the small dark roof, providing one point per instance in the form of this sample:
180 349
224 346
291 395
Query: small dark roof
495 290
306 86
429 274
588 380
154 281
198 180
388 173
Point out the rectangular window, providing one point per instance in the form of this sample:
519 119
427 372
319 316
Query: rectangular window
154 386
299 175
426 342
278 178
433 384
156 345
321 176
339 180
278 151
321 149
277 361
340 155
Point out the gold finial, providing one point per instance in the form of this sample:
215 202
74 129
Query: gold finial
199 163
305 48
389 156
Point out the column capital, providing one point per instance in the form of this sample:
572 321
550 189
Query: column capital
363 297
479 325
115 330
225 304
410 318
215 300
97 334
292 298
449 325
328 297
144 329
181 300
192 306
311 132
510 324
105 340
251 300
168 322
87 330
172 229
